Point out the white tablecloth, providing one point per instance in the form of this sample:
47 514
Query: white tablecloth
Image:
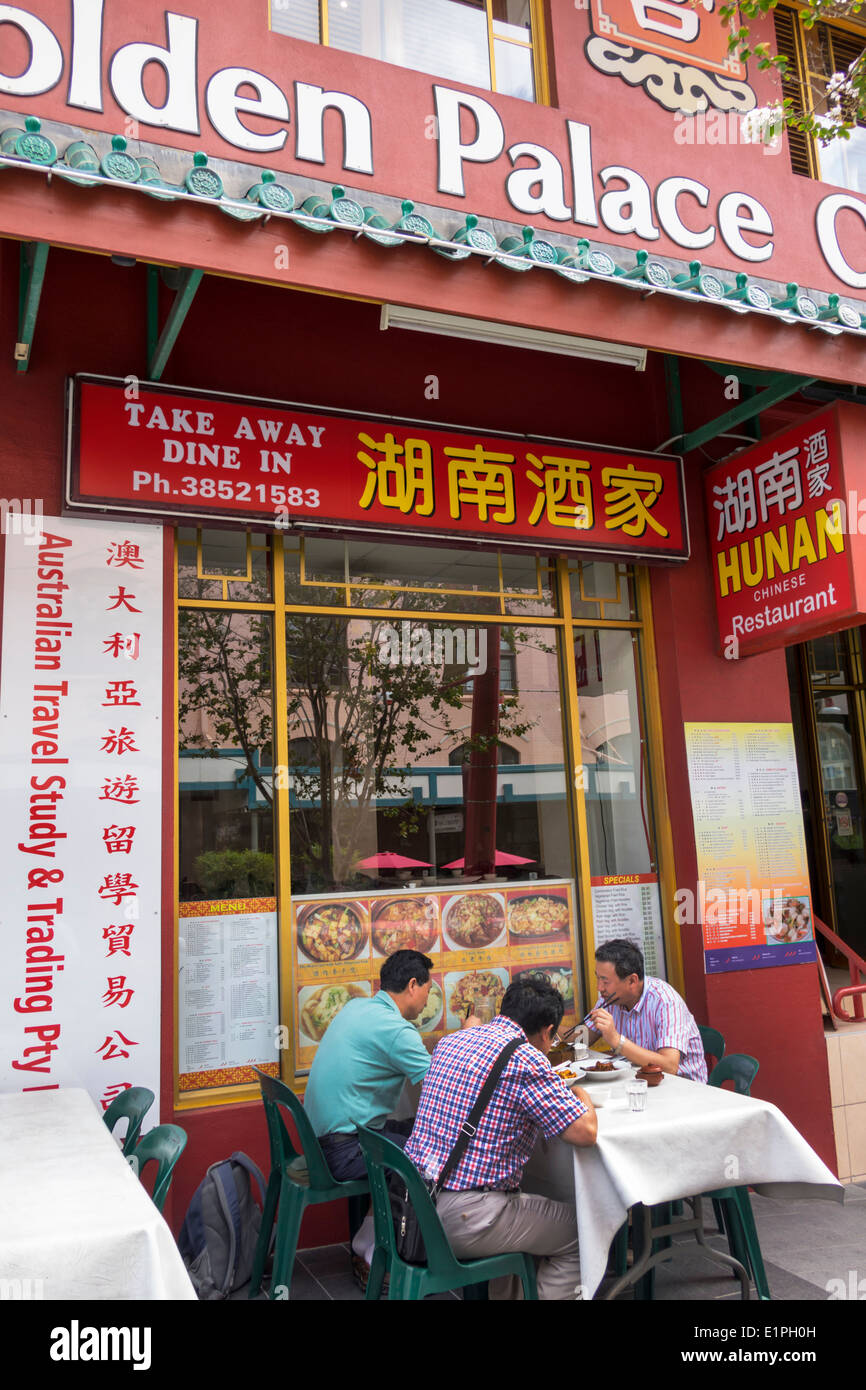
72 1212
691 1138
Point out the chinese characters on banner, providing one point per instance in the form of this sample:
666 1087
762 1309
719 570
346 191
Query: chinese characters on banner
80 808
212 456
753 891
479 940
786 559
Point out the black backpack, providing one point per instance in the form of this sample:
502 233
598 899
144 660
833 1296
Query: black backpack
219 1234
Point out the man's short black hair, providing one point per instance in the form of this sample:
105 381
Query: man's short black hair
624 956
534 1002
403 966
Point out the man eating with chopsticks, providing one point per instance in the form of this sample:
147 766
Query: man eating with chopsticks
642 1018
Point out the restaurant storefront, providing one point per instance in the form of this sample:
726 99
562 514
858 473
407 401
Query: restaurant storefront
409 637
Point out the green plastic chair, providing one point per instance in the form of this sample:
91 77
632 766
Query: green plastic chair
738 1067
288 1194
131 1105
163 1145
731 1204
712 1041
443 1270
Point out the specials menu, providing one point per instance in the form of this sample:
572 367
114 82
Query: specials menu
479 939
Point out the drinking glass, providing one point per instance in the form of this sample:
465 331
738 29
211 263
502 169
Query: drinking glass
483 1010
636 1092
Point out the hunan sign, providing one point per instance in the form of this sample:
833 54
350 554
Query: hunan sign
788 556
162 451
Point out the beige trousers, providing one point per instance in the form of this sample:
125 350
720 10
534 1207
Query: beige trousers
495 1223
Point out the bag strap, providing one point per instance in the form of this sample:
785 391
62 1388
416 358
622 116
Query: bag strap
244 1161
227 1196
470 1124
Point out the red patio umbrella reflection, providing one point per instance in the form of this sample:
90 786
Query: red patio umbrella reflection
500 858
392 861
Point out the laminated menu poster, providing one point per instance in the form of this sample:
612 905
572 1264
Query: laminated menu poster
753 904
627 907
227 992
479 940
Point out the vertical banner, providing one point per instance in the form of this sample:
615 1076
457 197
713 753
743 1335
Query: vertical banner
80 808
753 891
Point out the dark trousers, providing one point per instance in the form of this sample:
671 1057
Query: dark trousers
346 1162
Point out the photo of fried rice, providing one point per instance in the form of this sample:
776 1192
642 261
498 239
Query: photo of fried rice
472 920
329 932
405 924
538 915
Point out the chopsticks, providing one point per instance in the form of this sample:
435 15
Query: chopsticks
604 1005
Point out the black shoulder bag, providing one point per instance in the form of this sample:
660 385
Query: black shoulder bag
407 1232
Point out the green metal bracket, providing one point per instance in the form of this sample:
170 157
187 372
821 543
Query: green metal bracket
159 351
33 257
674 396
779 386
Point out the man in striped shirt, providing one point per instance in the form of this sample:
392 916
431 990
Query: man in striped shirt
642 1018
481 1207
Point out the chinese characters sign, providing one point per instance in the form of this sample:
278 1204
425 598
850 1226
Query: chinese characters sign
784 548
168 452
80 807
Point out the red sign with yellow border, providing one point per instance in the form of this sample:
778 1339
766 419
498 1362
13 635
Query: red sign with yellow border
143 449
788 556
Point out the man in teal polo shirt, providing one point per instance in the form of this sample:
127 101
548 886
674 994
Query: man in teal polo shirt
369 1051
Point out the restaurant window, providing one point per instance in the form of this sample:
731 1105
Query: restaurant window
814 55
398 744
492 44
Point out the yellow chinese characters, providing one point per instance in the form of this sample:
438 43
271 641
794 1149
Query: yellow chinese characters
479 478
632 493
565 492
405 483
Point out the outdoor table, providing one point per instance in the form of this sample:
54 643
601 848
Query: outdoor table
74 1219
690 1139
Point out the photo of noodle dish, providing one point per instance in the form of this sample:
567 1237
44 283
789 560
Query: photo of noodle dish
464 988
318 1006
405 924
433 1010
473 920
787 919
329 932
538 915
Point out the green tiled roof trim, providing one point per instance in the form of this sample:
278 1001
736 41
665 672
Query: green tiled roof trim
248 193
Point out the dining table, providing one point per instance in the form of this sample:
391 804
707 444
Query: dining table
690 1139
75 1221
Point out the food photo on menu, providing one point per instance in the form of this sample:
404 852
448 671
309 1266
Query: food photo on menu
405 924
330 933
318 1006
538 916
471 921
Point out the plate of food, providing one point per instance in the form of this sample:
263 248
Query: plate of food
473 920
318 1006
462 989
329 932
433 1010
599 1068
405 924
539 916
787 920
569 1072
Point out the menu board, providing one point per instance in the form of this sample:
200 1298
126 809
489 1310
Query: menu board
627 907
227 992
479 939
753 902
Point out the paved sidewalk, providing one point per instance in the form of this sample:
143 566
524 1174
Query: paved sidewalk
811 1249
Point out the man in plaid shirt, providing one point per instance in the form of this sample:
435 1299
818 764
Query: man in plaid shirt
482 1208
